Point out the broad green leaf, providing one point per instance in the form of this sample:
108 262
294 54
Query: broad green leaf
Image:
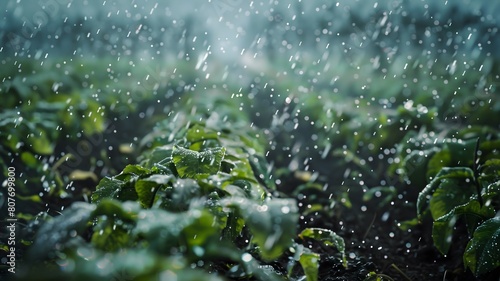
262 170
490 171
416 164
491 192
114 189
198 231
445 173
473 214
310 264
137 170
450 193
161 229
110 236
164 230
482 254
58 231
146 191
273 224
196 165
146 188
159 155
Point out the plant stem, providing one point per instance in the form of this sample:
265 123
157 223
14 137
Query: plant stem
400 272
370 226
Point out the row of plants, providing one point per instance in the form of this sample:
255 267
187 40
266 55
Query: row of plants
200 205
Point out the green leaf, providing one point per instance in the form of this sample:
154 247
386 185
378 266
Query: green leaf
29 159
199 133
58 231
490 192
310 264
159 155
146 188
126 211
41 144
273 225
482 254
449 194
114 189
196 165
408 224
137 170
146 191
164 230
490 171
262 170
200 229
122 186
110 236
472 212
445 173
328 237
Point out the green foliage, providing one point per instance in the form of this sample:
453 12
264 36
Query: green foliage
466 194
328 237
193 164
482 253
310 264
471 212
188 204
61 231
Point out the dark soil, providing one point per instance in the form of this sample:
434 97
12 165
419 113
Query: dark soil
374 243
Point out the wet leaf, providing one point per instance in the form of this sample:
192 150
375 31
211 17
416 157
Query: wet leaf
110 237
112 188
58 231
310 264
146 188
473 214
194 164
482 254
328 237
450 193
164 230
461 173
273 224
